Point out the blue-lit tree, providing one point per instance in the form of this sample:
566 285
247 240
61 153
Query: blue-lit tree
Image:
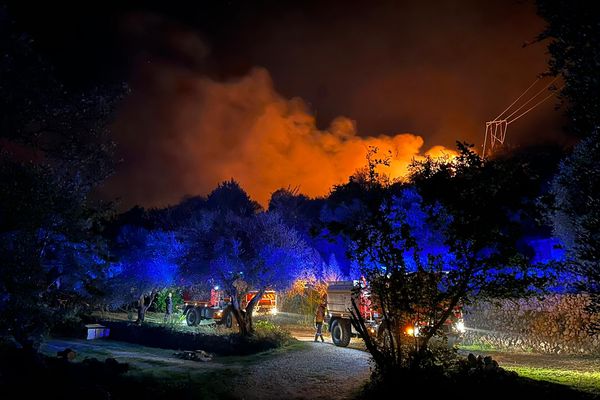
482 210
370 213
434 243
257 253
330 271
148 261
230 243
304 215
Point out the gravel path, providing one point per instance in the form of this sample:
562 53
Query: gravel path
307 371
317 371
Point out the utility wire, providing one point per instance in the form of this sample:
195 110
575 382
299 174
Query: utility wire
518 98
530 108
529 101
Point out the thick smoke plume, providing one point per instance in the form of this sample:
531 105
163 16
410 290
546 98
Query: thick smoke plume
184 134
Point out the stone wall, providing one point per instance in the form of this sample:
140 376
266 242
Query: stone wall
556 324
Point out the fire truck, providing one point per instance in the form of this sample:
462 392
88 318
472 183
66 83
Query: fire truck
218 307
197 306
339 304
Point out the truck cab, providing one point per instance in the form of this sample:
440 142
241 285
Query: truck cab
339 304
197 307
266 305
218 307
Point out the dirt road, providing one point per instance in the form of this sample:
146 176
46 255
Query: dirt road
306 370
318 371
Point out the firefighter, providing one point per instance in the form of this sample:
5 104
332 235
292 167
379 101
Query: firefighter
169 308
319 318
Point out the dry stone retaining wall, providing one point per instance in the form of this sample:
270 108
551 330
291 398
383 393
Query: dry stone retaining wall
556 324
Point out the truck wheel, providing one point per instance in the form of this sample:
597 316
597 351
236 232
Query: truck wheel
193 317
340 334
228 320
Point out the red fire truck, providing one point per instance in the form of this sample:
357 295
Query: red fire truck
266 305
339 302
197 307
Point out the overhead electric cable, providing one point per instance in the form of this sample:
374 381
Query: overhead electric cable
529 101
531 108
518 98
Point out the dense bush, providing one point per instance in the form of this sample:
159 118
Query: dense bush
459 377
267 337
303 299
161 299
269 332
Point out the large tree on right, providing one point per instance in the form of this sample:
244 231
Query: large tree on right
576 215
572 33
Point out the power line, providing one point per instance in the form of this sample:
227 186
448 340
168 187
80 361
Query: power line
536 95
532 107
518 98
495 130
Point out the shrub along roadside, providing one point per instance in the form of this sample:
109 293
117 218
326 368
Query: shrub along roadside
267 337
465 378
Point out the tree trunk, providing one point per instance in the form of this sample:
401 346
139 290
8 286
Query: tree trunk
141 310
238 314
358 322
143 307
244 317
460 293
250 309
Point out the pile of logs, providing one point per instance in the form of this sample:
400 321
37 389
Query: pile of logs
197 355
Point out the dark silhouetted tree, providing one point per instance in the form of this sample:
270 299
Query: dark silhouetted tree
54 150
572 33
229 197
576 215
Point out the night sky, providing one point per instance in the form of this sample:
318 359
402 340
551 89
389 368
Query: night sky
278 94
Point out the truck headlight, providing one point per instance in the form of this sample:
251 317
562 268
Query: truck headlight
274 311
460 326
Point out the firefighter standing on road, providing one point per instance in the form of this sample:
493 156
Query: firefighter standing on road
319 318
169 308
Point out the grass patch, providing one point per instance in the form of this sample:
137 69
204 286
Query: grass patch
580 380
477 347
156 363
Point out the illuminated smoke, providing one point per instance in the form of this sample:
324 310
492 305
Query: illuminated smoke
183 134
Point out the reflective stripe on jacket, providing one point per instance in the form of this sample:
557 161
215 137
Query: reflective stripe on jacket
320 314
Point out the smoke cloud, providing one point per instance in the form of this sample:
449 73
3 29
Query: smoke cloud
437 69
182 134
